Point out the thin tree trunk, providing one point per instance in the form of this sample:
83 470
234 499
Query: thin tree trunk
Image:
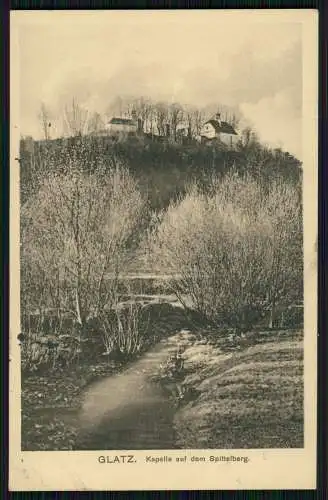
272 311
78 308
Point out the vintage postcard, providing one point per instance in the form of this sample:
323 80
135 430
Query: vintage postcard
163 264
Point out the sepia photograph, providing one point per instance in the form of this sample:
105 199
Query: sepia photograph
165 179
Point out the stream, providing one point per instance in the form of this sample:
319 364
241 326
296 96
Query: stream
129 411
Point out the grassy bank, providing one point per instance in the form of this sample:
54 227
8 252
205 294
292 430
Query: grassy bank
247 396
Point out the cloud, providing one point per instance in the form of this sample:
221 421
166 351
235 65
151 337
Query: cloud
278 119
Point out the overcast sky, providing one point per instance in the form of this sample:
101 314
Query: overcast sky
192 57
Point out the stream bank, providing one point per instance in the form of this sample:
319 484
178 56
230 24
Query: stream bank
244 396
52 399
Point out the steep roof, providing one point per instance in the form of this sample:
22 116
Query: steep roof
122 121
224 127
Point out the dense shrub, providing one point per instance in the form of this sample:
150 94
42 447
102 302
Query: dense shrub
77 232
235 251
124 331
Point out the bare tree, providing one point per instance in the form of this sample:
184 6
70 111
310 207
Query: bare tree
195 119
161 117
129 107
198 120
176 117
234 120
151 120
95 123
75 119
143 108
189 117
76 231
249 137
45 120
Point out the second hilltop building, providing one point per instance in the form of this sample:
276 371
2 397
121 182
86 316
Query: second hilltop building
220 130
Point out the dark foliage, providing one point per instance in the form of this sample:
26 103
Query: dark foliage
163 169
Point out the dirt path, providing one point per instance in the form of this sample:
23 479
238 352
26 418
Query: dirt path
129 410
